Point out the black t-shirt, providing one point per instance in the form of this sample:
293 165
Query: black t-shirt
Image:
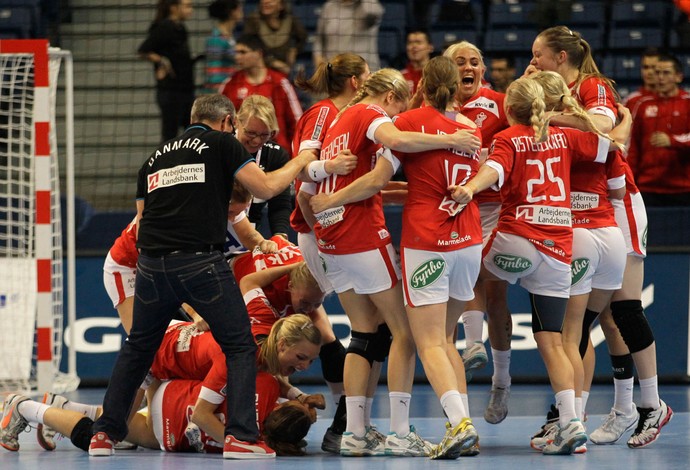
271 157
186 186
169 39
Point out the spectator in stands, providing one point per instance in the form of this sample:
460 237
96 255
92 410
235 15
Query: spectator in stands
167 47
349 26
502 72
659 152
220 45
281 32
419 49
650 56
254 78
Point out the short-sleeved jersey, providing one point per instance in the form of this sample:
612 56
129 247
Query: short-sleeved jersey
262 314
432 221
589 186
186 186
534 180
486 110
309 134
276 293
124 250
360 226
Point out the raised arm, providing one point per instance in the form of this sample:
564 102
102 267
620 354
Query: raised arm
263 278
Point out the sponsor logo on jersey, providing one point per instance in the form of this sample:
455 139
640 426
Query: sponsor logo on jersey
330 216
601 95
320 121
479 120
583 201
651 111
427 273
383 234
578 269
544 215
512 263
484 103
181 174
242 93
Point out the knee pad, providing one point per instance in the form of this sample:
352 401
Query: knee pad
382 347
332 357
623 367
547 313
629 317
82 433
587 321
363 344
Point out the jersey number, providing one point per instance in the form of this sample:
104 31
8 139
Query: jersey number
545 169
455 176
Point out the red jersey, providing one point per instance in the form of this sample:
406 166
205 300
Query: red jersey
261 313
487 111
124 250
276 87
309 134
360 226
412 77
534 180
632 102
589 186
431 219
276 293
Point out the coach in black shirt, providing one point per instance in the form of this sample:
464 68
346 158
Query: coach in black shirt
183 192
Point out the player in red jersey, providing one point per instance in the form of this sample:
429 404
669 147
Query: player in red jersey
441 245
564 51
532 243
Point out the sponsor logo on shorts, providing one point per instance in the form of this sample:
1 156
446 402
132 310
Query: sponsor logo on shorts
512 263
578 269
454 235
549 243
427 273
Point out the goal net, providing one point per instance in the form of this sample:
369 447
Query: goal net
31 254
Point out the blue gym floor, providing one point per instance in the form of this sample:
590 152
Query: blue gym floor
505 445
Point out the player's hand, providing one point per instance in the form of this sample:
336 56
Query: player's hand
316 400
319 202
530 70
623 112
307 156
268 246
343 164
465 141
461 194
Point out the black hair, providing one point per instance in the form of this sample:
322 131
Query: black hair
222 9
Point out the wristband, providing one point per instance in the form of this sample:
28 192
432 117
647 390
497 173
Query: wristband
294 393
317 170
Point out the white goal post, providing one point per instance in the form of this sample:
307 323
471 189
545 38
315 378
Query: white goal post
31 246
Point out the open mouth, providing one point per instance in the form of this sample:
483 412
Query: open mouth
468 80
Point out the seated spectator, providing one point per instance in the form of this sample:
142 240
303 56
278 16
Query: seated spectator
281 32
254 78
419 49
220 45
659 153
502 72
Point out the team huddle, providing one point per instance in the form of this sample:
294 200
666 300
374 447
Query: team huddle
528 187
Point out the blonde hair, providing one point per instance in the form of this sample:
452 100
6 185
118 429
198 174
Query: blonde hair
379 83
291 329
441 79
525 98
331 77
301 276
454 48
261 108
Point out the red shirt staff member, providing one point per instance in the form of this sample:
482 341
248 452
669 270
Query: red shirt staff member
419 48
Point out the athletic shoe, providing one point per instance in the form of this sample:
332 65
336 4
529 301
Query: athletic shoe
331 441
126 445
470 451
581 449
566 439
367 445
409 446
236 449
547 431
474 357
45 435
376 433
650 424
12 422
456 440
615 425
101 445
497 409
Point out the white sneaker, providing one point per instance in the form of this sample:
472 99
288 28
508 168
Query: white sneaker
546 433
497 409
408 446
457 441
615 425
650 424
12 422
474 356
45 435
567 439
356 446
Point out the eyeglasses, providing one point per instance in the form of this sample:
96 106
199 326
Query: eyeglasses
254 135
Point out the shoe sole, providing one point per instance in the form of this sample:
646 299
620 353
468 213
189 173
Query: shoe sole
607 443
247 456
11 449
569 448
101 452
404 453
493 419
669 417
478 361
456 450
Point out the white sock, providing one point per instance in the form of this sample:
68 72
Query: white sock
32 411
578 408
400 413
452 405
355 415
87 410
649 393
623 395
565 402
466 404
367 411
473 323
501 377
585 397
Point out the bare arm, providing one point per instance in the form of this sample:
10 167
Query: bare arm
263 278
204 417
250 238
395 139
303 199
482 180
268 185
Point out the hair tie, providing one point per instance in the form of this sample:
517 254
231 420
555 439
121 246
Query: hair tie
329 65
570 32
561 100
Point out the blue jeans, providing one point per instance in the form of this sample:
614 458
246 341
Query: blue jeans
204 281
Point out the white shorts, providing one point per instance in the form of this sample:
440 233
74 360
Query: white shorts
118 280
310 253
599 256
631 217
431 277
488 213
514 258
368 272
157 414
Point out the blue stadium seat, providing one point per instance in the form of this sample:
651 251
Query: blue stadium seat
647 13
509 15
18 22
508 40
627 37
460 14
594 35
587 13
622 67
390 45
442 37
308 13
395 17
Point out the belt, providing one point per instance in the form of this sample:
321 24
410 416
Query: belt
196 249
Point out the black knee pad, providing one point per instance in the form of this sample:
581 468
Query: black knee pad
587 321
384 338
82 433
547 313
623 366
632 323
363 344
332 357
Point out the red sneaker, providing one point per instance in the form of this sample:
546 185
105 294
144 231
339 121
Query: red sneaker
101 445
236 449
